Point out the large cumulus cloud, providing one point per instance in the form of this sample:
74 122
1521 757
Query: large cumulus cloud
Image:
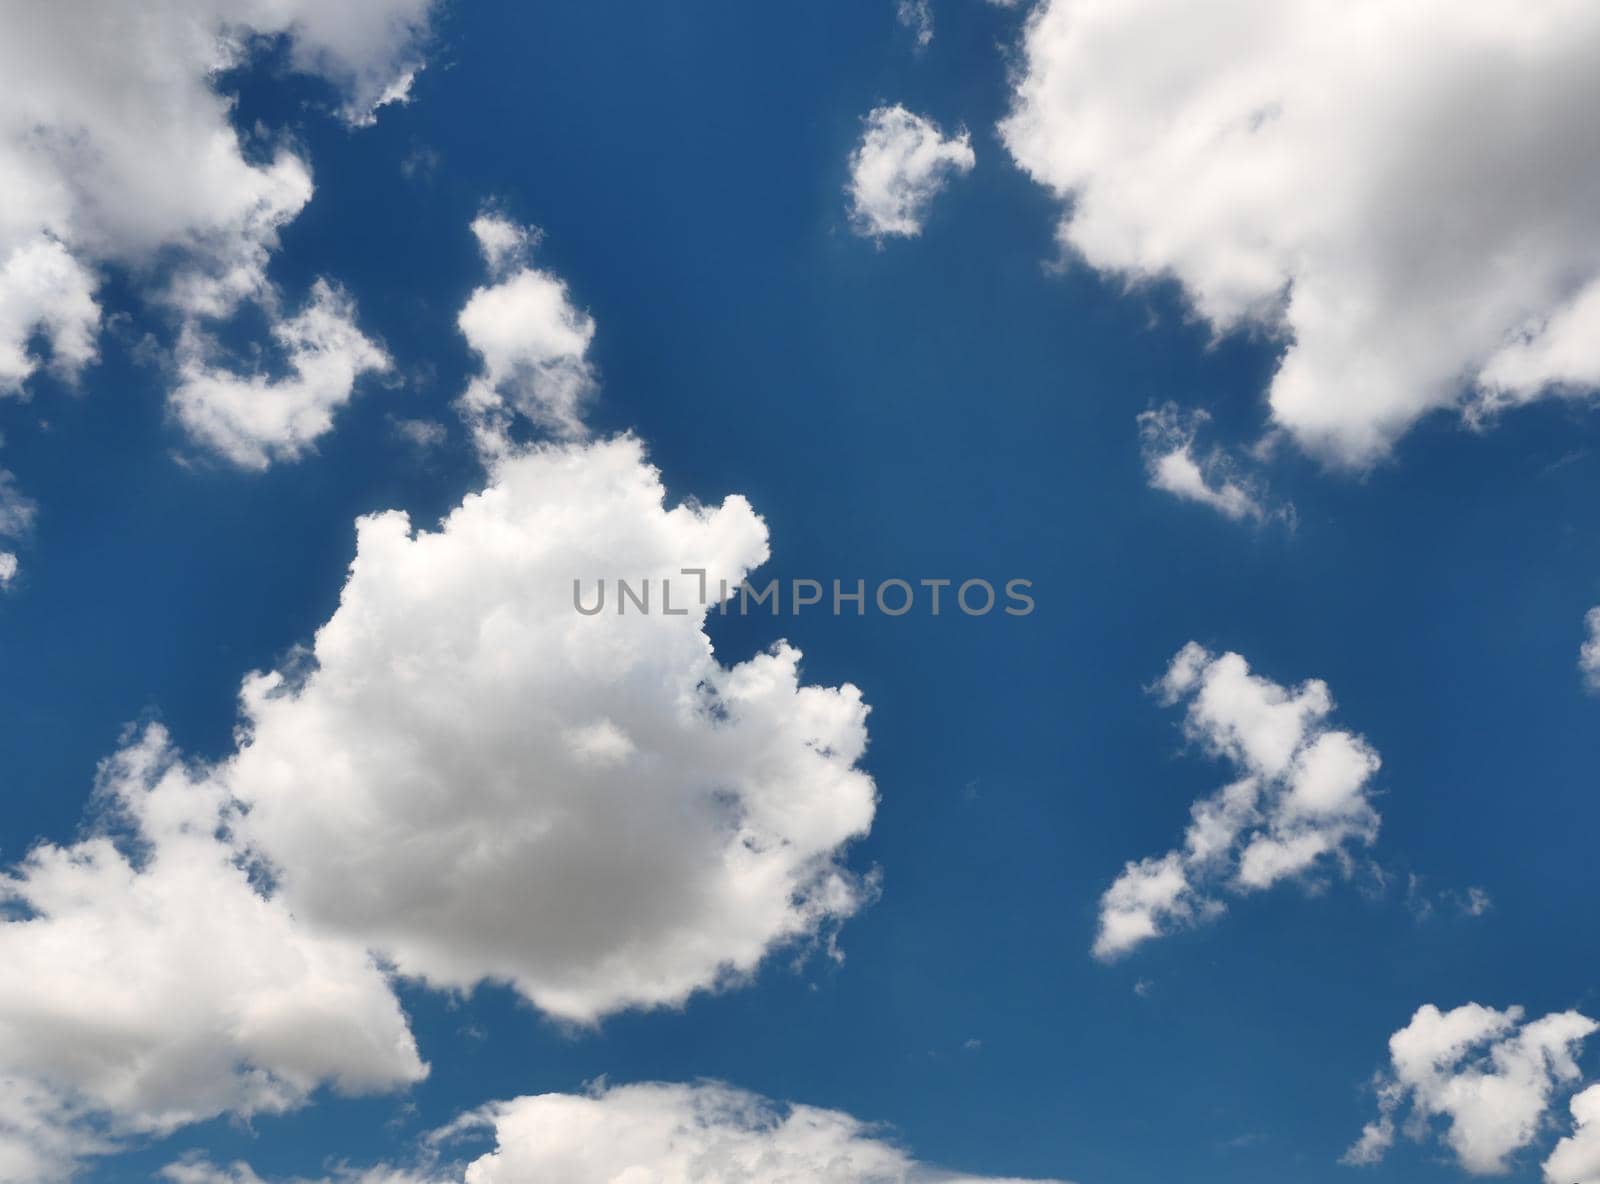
1406 192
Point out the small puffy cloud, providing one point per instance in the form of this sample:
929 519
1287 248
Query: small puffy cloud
1167 435
253 420
1576 1159
592 809
1589 651
146 983
901 164
1351 177
1300 801
916 15
1487 1073
532 342
8 567
104 105
653 1133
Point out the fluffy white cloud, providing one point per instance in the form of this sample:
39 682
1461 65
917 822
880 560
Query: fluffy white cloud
1589 652
254 419
532 341
1167 435
105 104
1406 191
1300 801
1485 1071
146 983
706 1133
678 1134
1576 1159
45 291
901 164
591 808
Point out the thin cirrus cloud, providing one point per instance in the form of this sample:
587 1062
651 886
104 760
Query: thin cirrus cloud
1490 1077
1352 177
707 1132
1300 801
901 164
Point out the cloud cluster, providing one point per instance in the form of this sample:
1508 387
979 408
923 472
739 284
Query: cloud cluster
146 982
104 106
532 342
705 1133
255 419
901 164
1490 1075
1300 800
1358 177
1167 438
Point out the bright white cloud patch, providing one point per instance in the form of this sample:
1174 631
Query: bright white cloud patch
1212 479
254 419
1589 652
532 341
901 164
706 1133
145 983
107 106
1300 801
1489 1075
1359 175
591 808
1576 1159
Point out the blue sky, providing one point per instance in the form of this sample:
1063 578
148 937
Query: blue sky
958 403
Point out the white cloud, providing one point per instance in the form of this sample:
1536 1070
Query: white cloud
591 808
532 342
901 164
1300 800
105 105
1576 1159
1589 652
916 15
254 419
17 512
707 1133
145 983
44 290
1167 435
674 1134
1487 1072
1355 175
